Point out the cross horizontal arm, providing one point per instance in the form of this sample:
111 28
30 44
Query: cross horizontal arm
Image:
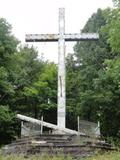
55 37
41 37
81 37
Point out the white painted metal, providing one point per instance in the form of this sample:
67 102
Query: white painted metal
61 110
41 127
46 124
55 37
78 121
61 38
41 37
81 36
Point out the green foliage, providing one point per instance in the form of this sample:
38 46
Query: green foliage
108 85
116 3
43 90
5 85
90 58
7 124
106 156
72 91
26 82
112 27
95 78
8 42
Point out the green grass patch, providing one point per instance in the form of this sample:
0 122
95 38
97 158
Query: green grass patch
106 156
35 157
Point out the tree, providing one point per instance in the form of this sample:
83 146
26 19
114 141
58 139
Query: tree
8 45
108 96
42 94
24 69
113 25
90 58
107 83
7 125
72 91
116 3
86 69
99 72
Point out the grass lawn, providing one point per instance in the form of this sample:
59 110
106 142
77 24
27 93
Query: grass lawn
37 157
106 156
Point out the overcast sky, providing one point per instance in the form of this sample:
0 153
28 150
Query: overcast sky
41 16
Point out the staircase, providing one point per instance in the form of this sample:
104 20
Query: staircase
53 144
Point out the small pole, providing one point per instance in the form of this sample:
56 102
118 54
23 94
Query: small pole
99 128
22 128
99 122
41 127
78 122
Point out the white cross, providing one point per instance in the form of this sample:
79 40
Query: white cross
61 38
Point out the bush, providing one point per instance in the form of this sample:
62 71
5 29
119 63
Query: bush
7 125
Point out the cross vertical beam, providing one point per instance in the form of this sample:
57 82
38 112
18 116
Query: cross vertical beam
61 38
61 110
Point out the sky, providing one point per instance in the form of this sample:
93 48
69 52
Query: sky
41 17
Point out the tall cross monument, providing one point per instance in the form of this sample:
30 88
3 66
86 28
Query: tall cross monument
61 37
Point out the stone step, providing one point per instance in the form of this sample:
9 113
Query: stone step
52 138
74 150
46 148
53 144
42 139
46 137
100 143
24 148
